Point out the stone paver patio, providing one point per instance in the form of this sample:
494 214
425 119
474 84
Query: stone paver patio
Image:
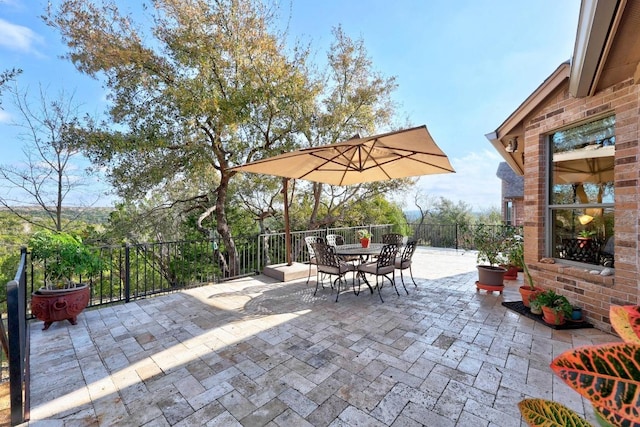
255 352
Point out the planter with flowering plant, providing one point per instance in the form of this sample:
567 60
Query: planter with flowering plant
365 237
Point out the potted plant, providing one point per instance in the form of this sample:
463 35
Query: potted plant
515 256
491 244
528 291
534 307
365 237
608 375
65 261
586 234
584 237
555 308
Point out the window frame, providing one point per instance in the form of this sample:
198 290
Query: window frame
550 208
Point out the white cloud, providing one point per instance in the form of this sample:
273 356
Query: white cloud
4 117
17 37
475 182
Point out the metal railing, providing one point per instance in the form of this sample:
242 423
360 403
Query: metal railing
136 271
18 343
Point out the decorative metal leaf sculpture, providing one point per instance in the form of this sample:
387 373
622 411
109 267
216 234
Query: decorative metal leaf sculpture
626 321
546 413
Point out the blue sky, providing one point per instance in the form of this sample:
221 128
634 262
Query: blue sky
462 68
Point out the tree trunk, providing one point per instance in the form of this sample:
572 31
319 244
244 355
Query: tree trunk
233 266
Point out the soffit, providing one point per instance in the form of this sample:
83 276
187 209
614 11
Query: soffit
623 51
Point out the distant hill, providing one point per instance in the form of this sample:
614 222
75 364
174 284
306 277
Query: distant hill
412 215
91 215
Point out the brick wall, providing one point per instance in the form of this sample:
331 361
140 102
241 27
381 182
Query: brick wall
592 292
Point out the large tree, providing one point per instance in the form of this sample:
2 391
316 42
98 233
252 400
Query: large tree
206 85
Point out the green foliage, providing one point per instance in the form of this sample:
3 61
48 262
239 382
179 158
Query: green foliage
63 256
446 211
514 247
491 242
558 303
586 234
491 215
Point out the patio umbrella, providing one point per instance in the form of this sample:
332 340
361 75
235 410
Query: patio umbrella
400 154
589 164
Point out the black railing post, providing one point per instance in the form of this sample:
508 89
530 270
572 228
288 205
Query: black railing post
18 348
127 273
456 236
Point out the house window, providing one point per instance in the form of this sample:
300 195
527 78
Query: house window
581 193
508 212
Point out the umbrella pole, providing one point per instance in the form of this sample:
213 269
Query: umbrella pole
287 229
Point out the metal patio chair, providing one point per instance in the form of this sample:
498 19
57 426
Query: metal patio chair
403 261
383 266
329 264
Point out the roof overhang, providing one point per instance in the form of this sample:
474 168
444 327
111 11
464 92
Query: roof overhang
513 128
597 23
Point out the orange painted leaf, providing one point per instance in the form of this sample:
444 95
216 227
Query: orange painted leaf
546 413
626 321
607 374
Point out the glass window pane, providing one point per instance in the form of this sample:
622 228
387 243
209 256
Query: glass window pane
583 163
583 235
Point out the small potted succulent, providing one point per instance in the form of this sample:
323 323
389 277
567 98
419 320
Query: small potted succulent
534 307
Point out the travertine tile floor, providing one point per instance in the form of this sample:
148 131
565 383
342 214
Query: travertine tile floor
254 352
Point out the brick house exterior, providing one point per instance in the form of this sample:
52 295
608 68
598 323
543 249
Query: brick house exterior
512 195
601 80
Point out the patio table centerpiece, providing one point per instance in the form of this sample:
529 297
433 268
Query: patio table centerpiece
365 237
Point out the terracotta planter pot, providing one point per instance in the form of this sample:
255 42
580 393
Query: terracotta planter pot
527 293
364 242
55 305
551 317
512 273
490 275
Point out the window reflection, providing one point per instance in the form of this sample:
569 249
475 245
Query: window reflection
582 192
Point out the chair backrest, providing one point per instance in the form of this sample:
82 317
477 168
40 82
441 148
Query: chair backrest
335 240
309 240
407 252
325 254
392 238
387 255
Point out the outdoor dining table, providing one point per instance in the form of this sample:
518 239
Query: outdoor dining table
362 252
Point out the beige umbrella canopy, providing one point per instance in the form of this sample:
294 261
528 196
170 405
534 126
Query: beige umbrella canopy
400 154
